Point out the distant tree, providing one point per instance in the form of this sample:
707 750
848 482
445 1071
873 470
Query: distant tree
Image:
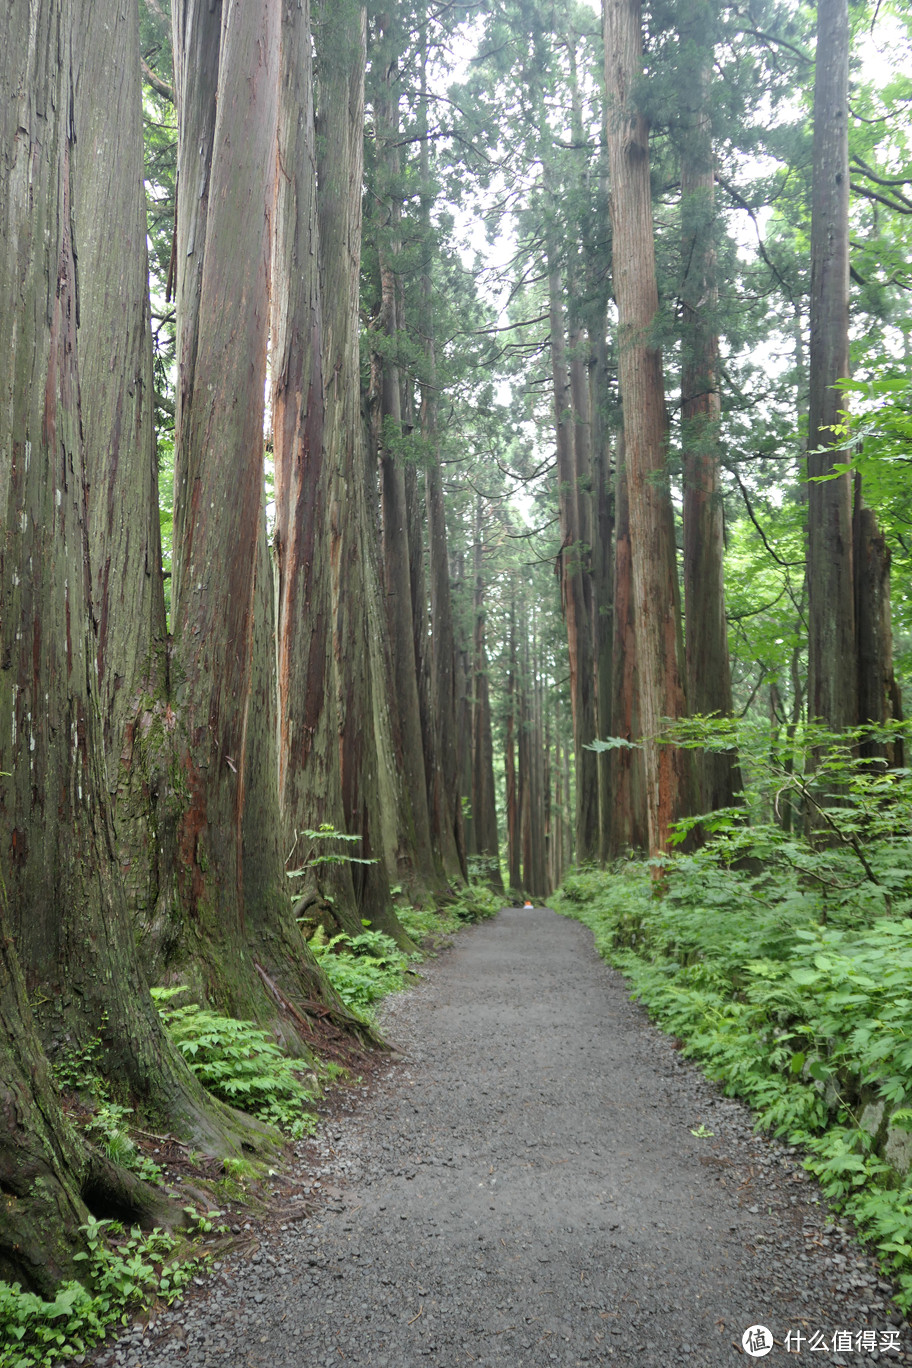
705 626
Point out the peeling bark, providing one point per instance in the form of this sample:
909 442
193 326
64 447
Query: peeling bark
310 782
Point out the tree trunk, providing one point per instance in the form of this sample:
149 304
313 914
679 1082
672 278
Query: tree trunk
878 692
310 784
706 629
465 711
557 822
115 375
272 935
65 892
628 777
512 796
227 89
660 655
370 790
531 771
416 514
387 427
444 797
602 570
576 598
832 648
39 1154
484 806
446 787
526 775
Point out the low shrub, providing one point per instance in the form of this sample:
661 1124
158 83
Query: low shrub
363 968
124 1271
240 1064
476 902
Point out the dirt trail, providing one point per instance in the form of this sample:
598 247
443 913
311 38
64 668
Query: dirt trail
525 1188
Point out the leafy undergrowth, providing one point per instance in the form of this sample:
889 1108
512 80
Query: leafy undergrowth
801 1007
125 1269
239 1063
365 968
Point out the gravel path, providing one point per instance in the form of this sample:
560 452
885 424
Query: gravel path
524 1188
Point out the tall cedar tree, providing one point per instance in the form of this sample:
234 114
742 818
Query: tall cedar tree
66 888
628 830
709 688
832 669
571 418
116 385
310 785
387 427
61 901
484 809
444 797
660 654
226 196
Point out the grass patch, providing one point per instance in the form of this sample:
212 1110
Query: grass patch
363 969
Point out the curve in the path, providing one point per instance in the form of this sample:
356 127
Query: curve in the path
527 1189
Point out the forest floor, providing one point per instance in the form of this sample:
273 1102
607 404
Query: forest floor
535 1178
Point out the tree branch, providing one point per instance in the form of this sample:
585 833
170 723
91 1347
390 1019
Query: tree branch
156 82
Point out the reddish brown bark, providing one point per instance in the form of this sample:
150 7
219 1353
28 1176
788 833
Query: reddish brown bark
310 785
370 788
660 654
227 88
